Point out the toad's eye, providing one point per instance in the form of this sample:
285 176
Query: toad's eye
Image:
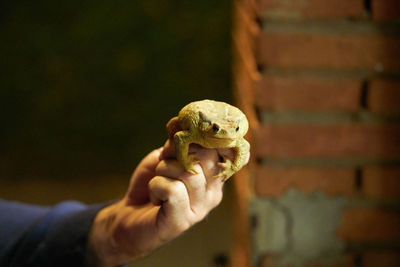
237 129
215 128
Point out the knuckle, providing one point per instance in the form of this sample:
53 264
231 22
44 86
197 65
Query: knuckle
160 166
177 188
154 182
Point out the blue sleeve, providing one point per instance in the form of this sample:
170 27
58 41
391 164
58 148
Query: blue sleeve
45 236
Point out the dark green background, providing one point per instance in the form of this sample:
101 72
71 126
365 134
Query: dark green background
88 86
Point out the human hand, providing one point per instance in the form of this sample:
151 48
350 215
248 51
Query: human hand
162 201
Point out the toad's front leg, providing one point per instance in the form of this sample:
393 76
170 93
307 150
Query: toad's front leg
182 140
242 154
242 150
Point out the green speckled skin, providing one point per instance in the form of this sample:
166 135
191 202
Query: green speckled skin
211 124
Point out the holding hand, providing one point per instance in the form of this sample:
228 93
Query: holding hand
162 201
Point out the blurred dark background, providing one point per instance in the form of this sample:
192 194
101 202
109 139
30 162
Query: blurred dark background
88 86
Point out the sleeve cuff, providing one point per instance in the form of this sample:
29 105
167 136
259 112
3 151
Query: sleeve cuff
59 238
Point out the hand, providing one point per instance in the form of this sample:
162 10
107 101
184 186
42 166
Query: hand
162 201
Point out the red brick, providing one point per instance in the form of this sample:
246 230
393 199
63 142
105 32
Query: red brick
369 225
381 258
329 51
349 140
274 181
385 9
299 93
290 9
384 96
381 182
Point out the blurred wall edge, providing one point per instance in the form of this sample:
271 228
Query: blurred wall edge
320 83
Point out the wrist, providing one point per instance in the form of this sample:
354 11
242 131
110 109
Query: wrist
102 248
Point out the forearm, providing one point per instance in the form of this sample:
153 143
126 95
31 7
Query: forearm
58 237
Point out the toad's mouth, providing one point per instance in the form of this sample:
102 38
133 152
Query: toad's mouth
222 138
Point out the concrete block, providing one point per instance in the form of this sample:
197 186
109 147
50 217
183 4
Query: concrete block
298 228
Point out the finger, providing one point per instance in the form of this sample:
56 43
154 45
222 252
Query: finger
205 191
248 158
169 168
209 159
137 192
175 205
168 150
203 188
226 153
229 153
193 148
195 184
149 162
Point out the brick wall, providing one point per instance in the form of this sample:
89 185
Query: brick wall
320 83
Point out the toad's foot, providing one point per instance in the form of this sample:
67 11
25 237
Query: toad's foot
188 163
